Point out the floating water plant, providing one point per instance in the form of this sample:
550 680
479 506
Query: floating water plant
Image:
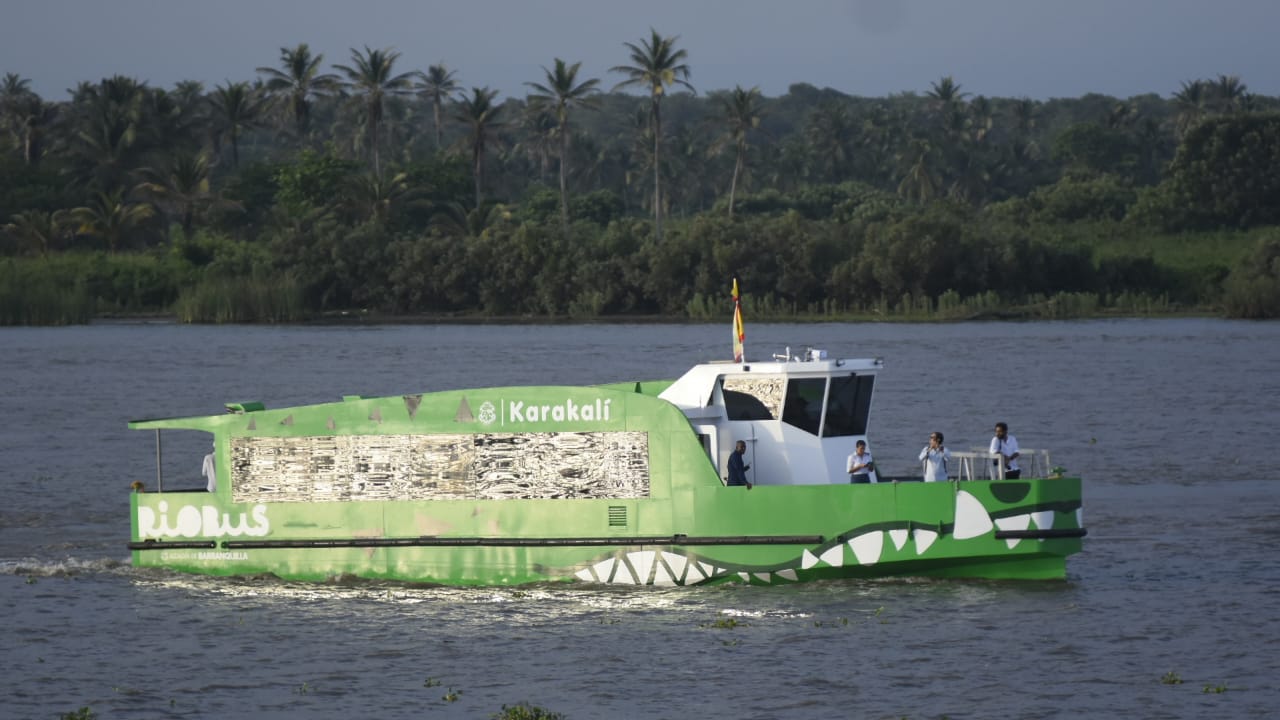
1171 678
524 711
431 682
451 696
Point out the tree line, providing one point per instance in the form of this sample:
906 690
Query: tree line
364 184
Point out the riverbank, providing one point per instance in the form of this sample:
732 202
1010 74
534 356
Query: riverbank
1056 308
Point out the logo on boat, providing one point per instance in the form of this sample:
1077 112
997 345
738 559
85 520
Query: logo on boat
201 521
567 411
519 411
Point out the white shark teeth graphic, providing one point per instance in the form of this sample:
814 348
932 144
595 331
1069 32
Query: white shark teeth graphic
867 547
677 563
807 559
1043 520
642 561
972 519
833 557
924 538
600 572
899 538
677 570
1080 517
694 575
745 577
788 574
765 578
1014 522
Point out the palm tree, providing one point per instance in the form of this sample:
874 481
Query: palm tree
110 217
741 112
1229 93
539 137
371 76
178 118
109 129
946 91
372 197
918 179
455 221
298 83
34 118
1191 101
482 119
1024 116
437 84
829 132
181 187
38 229
15 100
563 90
656 65
236 108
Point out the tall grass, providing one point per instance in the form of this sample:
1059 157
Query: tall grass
257 298
36 293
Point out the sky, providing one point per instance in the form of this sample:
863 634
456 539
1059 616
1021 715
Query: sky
999 48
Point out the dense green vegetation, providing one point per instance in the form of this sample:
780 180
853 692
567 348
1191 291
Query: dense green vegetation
383 190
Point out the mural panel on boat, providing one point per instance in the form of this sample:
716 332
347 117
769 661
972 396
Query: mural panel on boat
494 466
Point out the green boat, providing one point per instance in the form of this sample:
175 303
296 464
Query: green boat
621 484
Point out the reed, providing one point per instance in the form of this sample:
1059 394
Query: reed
35 293
257 298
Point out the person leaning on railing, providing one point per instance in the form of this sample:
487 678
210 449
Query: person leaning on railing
1004 445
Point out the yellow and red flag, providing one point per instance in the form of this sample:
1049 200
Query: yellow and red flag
738 334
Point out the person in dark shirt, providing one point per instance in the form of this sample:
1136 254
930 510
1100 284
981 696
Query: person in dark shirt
738 471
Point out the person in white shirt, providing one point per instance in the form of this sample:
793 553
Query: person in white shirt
860 466
210 471
935 456
1006 446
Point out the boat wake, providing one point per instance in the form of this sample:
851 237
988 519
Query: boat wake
64 567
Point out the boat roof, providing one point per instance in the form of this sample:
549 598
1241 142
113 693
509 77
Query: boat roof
693 389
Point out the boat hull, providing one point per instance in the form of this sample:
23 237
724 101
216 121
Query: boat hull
1017 529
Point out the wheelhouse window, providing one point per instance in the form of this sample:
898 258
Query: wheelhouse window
752 398
848 405
802 407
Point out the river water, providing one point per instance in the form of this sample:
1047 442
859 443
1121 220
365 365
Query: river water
1170 422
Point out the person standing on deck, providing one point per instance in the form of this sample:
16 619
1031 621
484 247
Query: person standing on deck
1006 446
210 471
935 456
737 470
860 466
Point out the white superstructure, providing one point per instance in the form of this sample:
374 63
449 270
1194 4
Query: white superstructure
800 416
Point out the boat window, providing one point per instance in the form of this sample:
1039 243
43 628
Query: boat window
803 406
752 398
849 405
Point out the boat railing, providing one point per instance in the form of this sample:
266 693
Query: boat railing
980 464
